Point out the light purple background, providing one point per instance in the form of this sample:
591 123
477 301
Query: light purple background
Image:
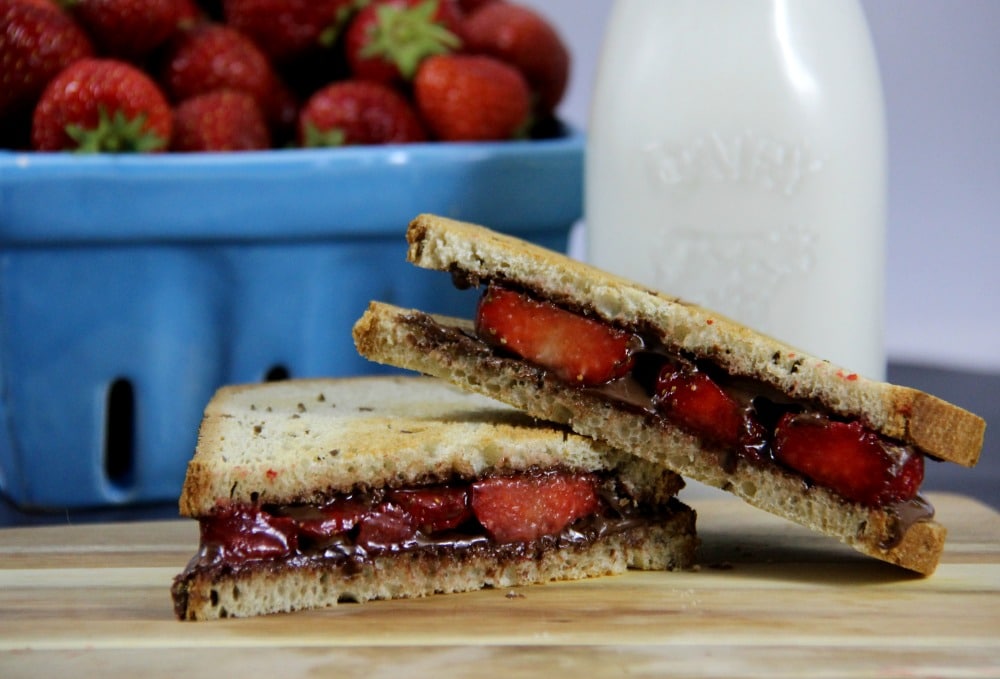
940 67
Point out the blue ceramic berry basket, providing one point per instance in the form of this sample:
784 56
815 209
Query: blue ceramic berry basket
132 287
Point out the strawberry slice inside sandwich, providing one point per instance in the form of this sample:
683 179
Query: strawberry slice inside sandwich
576 348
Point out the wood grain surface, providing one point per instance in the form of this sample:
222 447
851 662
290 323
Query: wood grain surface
768 599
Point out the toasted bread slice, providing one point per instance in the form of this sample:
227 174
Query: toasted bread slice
474 254
297 445
448 348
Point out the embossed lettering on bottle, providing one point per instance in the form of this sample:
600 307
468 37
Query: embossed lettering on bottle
741 269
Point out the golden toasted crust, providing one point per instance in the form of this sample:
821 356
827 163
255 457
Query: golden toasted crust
937 428
304 440
207 594
445 348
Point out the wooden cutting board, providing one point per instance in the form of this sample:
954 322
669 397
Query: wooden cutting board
769 599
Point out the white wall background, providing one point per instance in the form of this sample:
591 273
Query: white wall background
940 67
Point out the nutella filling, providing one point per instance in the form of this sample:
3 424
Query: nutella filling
246 536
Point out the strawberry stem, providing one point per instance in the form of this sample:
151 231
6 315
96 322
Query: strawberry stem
331 34
405 36
115 133
317 138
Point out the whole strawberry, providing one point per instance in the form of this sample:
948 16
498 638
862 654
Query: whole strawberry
387 40
189 13
472 98
101 105
128 29
287 29
213 56
470 6
222 120
37 40
358 112
523 38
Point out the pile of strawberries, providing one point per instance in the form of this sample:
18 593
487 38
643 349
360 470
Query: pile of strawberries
229 75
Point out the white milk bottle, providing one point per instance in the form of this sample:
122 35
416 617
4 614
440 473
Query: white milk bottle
736 158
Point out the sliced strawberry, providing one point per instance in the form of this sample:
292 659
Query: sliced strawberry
754 441
387 527
694 401
847 458
335 518
907 476
435 508
578 349
525 508
249 533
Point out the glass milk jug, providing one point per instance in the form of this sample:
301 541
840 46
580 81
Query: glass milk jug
736 158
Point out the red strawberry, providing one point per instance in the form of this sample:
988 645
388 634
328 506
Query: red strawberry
286 29
99 105
434 508
37 41
578 349
358 112
386 527
907 475
524 508
523 38
335 518
190 13
470 6
249 533
223 120
695 402
847 458
472 98
387 40
128 29
212 57
44 4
